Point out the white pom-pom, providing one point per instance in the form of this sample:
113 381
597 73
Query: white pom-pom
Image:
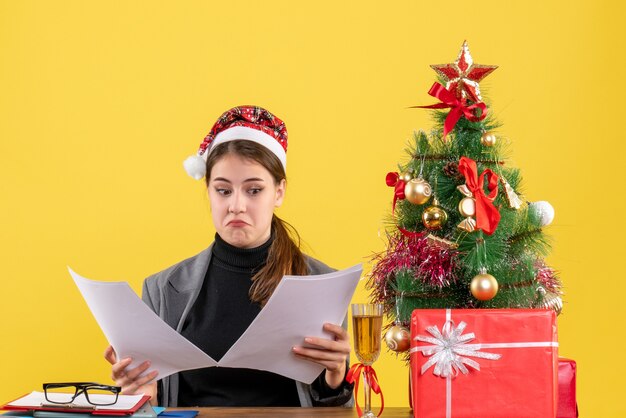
195 166
544 211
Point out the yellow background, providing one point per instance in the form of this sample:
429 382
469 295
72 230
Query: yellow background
100 102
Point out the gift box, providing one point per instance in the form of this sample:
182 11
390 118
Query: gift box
567 407
484 363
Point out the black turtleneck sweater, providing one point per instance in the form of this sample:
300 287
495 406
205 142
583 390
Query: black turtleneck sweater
220 315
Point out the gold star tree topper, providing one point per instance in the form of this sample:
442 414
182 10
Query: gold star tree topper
463 75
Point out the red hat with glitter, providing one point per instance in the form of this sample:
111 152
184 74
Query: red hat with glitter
252 123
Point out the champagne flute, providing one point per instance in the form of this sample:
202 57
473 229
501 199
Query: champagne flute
367 322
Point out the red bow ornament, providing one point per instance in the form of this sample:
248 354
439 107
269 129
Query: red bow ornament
393 180
476 201
369 375
458 107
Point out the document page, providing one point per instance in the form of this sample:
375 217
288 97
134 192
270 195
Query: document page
298 308
135 331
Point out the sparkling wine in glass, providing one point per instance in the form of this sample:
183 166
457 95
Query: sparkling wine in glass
367 322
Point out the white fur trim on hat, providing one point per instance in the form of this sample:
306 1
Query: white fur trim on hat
195 165
254 135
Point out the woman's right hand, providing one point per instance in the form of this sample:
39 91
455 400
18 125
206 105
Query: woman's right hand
131 381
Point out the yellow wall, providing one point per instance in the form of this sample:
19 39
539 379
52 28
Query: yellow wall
101 101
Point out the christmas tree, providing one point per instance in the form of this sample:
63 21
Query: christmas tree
460 234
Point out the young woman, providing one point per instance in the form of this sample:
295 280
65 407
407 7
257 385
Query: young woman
213 297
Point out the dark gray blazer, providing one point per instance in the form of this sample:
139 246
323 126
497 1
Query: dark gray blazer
172 292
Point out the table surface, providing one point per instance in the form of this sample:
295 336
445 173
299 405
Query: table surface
340 412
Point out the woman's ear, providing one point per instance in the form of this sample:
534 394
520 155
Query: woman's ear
281 188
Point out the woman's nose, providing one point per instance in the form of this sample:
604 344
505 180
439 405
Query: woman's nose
237 203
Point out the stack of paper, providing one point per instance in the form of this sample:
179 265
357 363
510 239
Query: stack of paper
298 308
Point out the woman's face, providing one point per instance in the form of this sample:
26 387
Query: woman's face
243 196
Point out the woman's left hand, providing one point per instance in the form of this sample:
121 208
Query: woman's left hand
330 353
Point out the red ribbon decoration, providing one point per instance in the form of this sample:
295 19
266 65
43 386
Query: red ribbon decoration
410 234
487 215
393 180
370 375
458 107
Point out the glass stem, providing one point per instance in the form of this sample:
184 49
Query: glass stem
368 395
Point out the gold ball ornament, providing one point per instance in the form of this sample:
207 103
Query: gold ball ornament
398 339
488 139
434 217
418 191
467 207
484 286
406 176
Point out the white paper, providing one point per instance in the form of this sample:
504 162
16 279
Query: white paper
135 331
298 308
38 399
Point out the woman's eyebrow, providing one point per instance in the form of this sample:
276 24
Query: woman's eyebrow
221 179
245 181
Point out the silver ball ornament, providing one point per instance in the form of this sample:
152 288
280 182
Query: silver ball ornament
544 211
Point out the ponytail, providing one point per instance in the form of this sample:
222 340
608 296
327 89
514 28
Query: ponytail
284 258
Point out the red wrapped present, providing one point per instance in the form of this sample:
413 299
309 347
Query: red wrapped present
567 389
484 363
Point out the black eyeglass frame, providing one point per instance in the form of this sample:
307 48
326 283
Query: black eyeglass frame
82 387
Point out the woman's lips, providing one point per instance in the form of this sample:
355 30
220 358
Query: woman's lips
237 223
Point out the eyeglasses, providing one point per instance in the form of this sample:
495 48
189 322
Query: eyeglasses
94 393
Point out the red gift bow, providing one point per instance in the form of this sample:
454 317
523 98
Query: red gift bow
487 215
458 107
354 376
393 180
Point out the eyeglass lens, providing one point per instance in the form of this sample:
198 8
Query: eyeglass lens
92 394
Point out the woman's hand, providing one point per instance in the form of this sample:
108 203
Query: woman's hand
332 354
130 380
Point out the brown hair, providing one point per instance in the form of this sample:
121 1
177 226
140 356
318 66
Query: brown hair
284 255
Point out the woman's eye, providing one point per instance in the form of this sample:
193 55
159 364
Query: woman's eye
255 190
223 192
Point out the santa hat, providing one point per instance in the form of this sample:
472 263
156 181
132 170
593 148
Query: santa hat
251 123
